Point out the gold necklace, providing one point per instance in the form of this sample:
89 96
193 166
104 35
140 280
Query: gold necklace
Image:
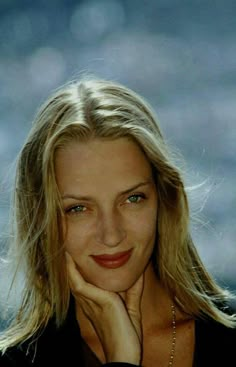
173 344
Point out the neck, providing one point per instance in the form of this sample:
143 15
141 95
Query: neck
155 305
156 302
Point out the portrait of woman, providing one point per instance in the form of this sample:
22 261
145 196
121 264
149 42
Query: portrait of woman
102 230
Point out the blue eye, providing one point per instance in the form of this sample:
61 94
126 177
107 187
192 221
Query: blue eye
136 198
76 209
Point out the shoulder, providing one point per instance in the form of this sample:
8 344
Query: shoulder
214 343
58 344
14 357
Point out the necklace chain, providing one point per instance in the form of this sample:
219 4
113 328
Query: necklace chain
173 344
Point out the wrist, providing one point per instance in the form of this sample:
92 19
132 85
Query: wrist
120 364
122 358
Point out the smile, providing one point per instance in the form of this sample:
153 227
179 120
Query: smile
112 261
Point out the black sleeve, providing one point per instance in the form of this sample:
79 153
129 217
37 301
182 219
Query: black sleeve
15 359
7 360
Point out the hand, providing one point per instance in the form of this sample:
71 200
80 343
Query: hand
116 321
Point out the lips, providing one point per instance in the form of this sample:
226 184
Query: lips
112 261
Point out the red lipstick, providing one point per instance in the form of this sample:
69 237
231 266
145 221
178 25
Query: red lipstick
112 261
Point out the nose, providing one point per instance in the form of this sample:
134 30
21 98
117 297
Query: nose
110 231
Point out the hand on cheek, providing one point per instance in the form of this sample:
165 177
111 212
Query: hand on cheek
117 322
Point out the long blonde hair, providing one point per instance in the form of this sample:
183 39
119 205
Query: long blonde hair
81 110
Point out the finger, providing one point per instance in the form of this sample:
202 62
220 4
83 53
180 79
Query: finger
74 278
80 287
77 282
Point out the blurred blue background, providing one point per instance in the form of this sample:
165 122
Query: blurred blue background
180 55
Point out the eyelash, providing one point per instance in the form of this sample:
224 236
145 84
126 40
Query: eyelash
139 196
73 209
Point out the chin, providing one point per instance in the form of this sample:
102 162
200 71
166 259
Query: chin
114 285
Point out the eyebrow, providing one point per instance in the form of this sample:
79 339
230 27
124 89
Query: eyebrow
87 198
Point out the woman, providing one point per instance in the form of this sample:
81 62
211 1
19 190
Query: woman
102 229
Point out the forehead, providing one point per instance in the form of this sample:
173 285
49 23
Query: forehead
100 162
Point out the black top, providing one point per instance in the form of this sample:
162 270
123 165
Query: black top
214 347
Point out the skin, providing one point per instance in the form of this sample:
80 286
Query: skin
110 205
104 218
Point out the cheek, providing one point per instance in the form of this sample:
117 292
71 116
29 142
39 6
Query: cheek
144 227
150 219
78 237
73 237
150 226
148 236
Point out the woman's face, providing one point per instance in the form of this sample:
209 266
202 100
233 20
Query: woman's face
110 204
